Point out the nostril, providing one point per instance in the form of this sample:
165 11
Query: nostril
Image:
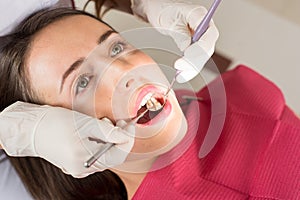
129 82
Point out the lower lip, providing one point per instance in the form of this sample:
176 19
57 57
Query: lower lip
161 116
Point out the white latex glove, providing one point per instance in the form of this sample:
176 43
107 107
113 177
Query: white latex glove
193 61
179 19
63 137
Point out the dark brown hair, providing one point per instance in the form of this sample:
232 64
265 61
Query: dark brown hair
101 7
98 4
42 179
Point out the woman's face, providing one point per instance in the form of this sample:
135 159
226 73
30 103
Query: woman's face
82 64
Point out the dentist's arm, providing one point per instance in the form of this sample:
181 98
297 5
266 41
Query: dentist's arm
178 19
63 137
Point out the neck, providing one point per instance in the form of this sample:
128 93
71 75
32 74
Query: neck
133 173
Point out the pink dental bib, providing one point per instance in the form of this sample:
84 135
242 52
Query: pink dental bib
256 157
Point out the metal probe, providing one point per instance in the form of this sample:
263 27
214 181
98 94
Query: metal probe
108 145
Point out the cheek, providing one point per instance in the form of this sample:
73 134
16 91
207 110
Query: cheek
95 101
141 58
103 99
106 88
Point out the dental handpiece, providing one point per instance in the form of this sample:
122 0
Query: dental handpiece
203 26
200 30
108 145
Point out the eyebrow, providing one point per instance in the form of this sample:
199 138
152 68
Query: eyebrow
79 61
105 35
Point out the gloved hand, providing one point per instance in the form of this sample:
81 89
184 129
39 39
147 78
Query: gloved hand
63 137
179 19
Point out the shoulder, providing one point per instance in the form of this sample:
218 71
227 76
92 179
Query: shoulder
11 187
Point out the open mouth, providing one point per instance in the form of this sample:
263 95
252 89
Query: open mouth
157 105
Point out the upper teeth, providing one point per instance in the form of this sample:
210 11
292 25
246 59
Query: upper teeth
153 104
145 99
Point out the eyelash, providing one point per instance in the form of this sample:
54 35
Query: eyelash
85 77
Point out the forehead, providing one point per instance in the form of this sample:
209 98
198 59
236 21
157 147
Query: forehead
57 46
68 32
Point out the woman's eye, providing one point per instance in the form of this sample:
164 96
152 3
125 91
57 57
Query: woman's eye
82 83
117 48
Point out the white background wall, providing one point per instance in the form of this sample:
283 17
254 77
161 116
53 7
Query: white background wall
265 40
288 9
251 33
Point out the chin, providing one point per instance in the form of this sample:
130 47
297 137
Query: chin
161 135
147 150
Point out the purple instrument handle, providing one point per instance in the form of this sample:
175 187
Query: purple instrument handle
203 26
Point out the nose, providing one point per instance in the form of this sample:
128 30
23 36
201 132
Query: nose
128 74
129 83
